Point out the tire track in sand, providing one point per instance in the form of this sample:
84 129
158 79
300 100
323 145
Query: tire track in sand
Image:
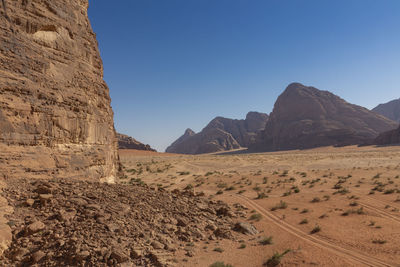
347 254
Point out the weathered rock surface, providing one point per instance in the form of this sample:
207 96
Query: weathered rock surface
177 143
96 224
221 134
305 117
388 138
55 113
127 142
390 110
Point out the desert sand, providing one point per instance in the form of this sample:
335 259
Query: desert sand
328 206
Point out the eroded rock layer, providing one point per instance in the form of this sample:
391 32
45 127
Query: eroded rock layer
55 113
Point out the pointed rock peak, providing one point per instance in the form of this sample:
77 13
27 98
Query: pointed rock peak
189 132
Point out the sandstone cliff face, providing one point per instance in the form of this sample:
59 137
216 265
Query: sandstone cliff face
388 138
221 134
127 142
305 117
390 110
55 113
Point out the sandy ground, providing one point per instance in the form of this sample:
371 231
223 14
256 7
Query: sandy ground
350 194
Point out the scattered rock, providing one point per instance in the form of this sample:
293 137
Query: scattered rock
78 229
35 227
38 256
119 256
245 228
29 202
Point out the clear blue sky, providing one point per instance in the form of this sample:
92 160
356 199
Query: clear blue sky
176 64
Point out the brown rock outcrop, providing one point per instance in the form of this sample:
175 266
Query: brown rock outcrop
390 110
205 142
55 113
221 134
127 142
305 117
388 138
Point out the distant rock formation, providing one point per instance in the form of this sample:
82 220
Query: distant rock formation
55 114
175 146
390 110
305 117
220 134
388 138
127 142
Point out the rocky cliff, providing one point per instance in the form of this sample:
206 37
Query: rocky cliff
388 138
390 110
127 142
221 134
305 117
55 113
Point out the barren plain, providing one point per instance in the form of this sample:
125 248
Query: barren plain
323 207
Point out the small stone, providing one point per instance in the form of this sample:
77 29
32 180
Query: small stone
19 254
245 228
38 256
136 253
30 202
45 198
119 256
182 222
82 255
157 245
43 190
34 227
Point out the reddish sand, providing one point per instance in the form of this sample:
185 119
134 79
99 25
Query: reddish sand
351 193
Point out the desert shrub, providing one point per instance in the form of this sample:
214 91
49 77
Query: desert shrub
353 204
220 264
188 187
304 211
280 205
379 241
316 229
266 241
255 217
275 260
218 249
261 195
315 200
304 221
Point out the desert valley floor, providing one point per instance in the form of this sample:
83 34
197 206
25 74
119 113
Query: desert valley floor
328 206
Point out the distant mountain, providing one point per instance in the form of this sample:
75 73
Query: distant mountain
390 110
221 134
127 142
388 138
305 117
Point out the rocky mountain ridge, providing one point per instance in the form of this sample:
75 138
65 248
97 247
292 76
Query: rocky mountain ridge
390 110
305 117
221 134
